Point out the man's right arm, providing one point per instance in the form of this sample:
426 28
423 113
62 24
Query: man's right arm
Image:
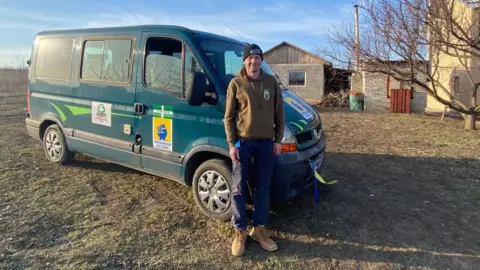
231 114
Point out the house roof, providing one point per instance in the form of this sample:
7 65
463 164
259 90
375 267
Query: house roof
298 48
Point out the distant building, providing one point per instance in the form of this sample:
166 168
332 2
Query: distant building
377 87
303 72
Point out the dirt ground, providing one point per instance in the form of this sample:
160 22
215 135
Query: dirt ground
407 197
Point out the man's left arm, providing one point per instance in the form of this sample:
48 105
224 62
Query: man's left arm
279 114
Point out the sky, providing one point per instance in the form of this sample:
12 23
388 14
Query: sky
267 22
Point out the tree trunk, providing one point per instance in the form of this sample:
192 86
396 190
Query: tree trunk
470 120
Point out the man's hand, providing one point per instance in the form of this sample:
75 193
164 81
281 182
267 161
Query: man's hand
234 153
277 149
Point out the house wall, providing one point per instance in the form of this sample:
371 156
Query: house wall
448 66
375 92
314 79
286 54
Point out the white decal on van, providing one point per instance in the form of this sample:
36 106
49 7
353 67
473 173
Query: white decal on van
102 113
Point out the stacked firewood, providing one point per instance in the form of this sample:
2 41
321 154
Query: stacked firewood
335 99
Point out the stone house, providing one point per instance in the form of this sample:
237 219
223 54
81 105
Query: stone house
299 70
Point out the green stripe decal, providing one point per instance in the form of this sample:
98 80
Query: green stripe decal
78 110
125 115
303 122
300 127
60 112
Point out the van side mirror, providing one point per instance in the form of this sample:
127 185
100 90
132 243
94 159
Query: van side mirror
196 89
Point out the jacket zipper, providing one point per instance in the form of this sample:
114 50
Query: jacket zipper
256 94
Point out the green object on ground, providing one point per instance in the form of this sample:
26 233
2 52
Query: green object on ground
356 101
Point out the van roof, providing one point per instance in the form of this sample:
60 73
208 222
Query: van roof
134 28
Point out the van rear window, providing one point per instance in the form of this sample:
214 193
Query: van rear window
54 58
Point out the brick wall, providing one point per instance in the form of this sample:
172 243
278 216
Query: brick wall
315 79
375 91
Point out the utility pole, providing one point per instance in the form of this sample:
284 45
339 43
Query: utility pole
357 41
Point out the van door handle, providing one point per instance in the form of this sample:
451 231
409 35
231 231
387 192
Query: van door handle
139 108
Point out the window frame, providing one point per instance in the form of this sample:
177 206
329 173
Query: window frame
105 38
305 78
183 95
74 45
456 85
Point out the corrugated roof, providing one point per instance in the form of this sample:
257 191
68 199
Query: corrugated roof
298 48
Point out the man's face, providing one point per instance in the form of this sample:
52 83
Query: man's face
252 63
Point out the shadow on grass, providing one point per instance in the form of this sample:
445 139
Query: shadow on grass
94 164
412 211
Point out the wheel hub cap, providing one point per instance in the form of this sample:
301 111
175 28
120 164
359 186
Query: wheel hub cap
53 145
214 191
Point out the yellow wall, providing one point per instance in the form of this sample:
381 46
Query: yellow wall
447 64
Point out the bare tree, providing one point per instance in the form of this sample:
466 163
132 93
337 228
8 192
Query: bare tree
20 63
437 38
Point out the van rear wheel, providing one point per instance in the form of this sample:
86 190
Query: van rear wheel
55 146
212 190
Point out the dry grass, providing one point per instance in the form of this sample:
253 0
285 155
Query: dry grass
408 197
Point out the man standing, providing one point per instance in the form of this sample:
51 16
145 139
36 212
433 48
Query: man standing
254 125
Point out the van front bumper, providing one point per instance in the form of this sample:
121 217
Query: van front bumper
293 173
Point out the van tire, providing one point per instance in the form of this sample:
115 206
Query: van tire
55 146
222 174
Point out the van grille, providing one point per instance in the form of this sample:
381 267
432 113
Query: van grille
304 137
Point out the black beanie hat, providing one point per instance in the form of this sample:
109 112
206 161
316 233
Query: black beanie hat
252 49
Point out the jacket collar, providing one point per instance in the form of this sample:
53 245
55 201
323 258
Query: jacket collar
243 74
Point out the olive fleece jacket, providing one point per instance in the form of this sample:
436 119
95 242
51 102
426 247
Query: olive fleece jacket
254 109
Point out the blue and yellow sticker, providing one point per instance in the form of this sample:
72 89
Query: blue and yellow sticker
162 127
266 94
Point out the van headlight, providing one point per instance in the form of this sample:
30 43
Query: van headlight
289 143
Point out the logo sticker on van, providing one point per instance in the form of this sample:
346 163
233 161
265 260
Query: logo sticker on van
162 133
102 113
162 129
299 108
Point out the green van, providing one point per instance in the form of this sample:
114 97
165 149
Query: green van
152 98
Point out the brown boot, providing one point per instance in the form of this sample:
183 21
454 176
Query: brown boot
260 234
238 245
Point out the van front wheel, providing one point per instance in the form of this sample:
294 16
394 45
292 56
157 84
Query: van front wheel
212 190
55 146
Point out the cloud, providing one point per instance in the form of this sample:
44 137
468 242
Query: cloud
288 20
268 25
31 15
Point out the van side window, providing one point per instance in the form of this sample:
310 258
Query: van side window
163 65
106 60
54 58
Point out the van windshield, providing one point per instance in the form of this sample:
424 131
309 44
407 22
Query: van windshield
226 58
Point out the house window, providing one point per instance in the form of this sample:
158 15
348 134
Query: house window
456 85
296 78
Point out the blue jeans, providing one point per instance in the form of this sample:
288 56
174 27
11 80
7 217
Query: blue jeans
262 152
